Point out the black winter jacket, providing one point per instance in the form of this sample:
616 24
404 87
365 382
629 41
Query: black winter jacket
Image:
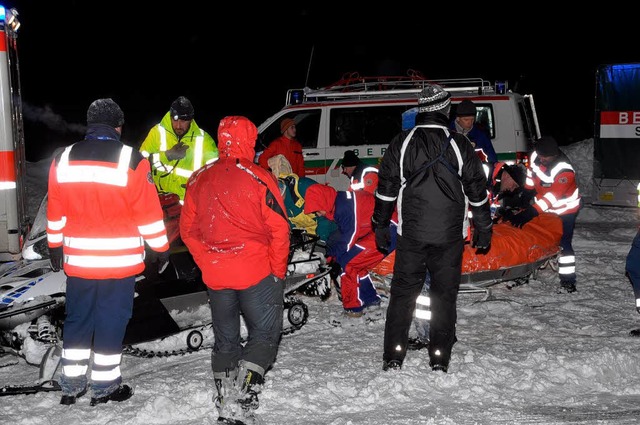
432 201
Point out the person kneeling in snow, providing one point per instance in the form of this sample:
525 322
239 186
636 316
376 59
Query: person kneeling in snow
353 245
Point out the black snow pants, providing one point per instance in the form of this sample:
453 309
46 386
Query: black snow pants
413 259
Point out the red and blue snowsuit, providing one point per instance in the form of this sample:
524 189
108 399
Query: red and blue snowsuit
353 245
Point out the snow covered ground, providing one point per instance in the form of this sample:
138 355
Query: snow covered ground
525 355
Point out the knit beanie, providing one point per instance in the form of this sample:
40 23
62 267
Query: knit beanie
105 111
466 108
285 124
547 146
350 159
434 98
181 109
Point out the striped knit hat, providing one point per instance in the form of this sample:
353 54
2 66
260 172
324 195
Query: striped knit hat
434 99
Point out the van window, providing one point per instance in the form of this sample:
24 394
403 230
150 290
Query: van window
361 126
484 117
307 127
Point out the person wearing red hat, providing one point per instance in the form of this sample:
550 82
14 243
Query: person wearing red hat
553 179
286 145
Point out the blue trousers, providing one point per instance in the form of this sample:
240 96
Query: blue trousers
632 267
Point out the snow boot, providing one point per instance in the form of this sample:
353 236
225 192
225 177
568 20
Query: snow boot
68 399
226 400
391 365
122 393
250 388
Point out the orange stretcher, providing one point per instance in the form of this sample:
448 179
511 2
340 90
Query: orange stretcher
515 253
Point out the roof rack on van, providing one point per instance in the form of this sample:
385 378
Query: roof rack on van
352 85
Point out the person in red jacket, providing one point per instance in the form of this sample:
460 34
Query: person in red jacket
352 246
286 145
235 225
102 207
553 179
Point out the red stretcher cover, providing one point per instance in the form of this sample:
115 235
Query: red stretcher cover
510 246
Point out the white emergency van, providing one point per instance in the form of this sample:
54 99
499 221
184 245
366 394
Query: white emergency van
364 113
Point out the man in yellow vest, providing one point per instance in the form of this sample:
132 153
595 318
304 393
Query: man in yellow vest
176 147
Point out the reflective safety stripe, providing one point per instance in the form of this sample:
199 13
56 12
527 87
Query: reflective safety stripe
567 264
423 304
557 169
93 261
73 371
104 243
76 353
637 302
107 359
7 185
105 375
54 238
150 229
58 224
157 242
67 173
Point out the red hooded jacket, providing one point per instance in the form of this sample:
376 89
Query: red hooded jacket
233 219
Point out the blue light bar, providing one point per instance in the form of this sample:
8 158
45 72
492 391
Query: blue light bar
2 13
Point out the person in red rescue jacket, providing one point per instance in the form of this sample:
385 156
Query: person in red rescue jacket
235 225
553 179
353 245
102 207
286 145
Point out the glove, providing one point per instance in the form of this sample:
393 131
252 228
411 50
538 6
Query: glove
56 258
162 261
178 151
383 239
336 270
481 240
523 217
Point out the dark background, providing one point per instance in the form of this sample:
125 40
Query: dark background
239 59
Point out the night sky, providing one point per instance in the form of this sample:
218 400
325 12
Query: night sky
237 59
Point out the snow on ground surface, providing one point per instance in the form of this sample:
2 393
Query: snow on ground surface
525 355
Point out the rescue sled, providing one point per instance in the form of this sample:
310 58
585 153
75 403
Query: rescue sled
516 254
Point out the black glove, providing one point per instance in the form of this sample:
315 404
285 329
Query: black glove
55 258
336 270
383 239
523 217
162 261
481 241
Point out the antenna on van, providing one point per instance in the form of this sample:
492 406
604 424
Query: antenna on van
306 81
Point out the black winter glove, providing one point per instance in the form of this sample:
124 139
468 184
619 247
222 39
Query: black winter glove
523 217
336 270
383 239
481 241
56 259
162 261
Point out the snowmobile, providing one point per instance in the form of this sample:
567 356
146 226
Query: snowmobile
171 303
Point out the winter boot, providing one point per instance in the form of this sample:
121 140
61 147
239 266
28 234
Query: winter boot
226 400
391 365
122 393
250 386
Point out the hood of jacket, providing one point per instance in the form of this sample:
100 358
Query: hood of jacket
436 118
237 138
320 197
